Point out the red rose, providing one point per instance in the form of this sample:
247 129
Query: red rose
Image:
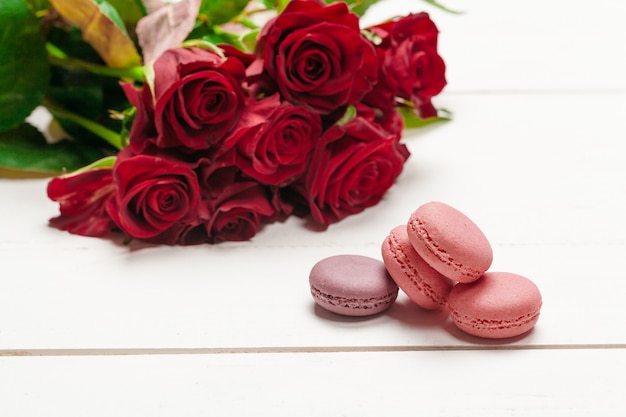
317 56
383 95
388 119
353 171
197 100
232 52
275 141
155 197
239 217
142 131
237 206
82 200
411 63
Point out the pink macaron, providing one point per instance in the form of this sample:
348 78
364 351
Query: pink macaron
497 305
419 281
449 241
352 285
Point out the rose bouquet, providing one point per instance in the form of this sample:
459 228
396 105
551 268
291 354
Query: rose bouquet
201 125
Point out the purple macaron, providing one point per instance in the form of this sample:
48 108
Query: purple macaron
352 285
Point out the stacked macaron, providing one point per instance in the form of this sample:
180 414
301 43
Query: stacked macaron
440 258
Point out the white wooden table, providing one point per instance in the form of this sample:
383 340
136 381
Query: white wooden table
535 155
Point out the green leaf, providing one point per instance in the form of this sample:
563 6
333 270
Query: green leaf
24 148
217 36
59 58
109 11
275 4
106 162
249 40
100 31
216 12
130 11
357 6
412 120
360 7
38 5
438 5
348 116
24 69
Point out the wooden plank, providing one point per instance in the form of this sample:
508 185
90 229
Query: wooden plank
205 298
542 175
504 383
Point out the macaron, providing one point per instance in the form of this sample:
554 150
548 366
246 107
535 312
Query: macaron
497 305
419 281
352 285
449 241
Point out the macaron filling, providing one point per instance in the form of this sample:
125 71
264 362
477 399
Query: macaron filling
372 303
519 324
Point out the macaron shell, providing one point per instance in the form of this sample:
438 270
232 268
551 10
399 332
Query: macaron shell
449 241
419 281
352 285
498 305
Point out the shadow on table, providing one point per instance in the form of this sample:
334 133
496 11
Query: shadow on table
412 316
417 317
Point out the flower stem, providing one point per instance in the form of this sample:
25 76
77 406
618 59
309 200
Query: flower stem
61 59
243 20
232 38
108 135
